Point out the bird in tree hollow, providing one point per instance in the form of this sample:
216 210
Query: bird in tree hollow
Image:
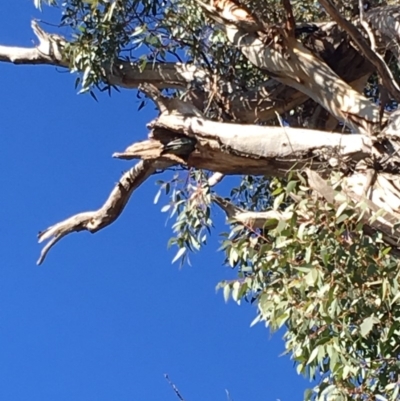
181 146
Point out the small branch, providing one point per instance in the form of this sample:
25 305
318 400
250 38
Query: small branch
211 182
178 394
96 220
49 50
268 219
215 179
121 73
155 95
374 217
290 21
168 105
366 26
374 58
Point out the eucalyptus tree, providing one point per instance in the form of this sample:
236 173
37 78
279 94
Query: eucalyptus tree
298 99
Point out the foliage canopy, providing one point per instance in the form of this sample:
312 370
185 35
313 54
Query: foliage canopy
315 267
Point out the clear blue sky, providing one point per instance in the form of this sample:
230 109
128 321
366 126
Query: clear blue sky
107 314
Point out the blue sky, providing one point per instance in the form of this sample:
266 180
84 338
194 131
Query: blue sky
107 314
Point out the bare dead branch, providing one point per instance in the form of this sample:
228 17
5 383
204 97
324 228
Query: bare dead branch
176 390
96 220
48 51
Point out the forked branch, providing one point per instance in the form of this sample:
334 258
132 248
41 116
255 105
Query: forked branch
96 220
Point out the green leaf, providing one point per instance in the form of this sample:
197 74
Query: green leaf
343 217
300 231
367 325
308 395
291 186
341 209
308 254
235 291
179 254
313 355
395 298
165 208
227 292
257 319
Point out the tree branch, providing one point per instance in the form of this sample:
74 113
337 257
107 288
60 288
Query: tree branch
48 51
122 73
96 220
383 70
249 149
366 26
385 20
374 216
229 149
268 219
255 105
290 63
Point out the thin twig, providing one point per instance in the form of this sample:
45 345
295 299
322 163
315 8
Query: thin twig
228 396
366 26
178 394
290 21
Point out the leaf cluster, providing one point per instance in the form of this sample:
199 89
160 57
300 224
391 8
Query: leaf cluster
334 288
